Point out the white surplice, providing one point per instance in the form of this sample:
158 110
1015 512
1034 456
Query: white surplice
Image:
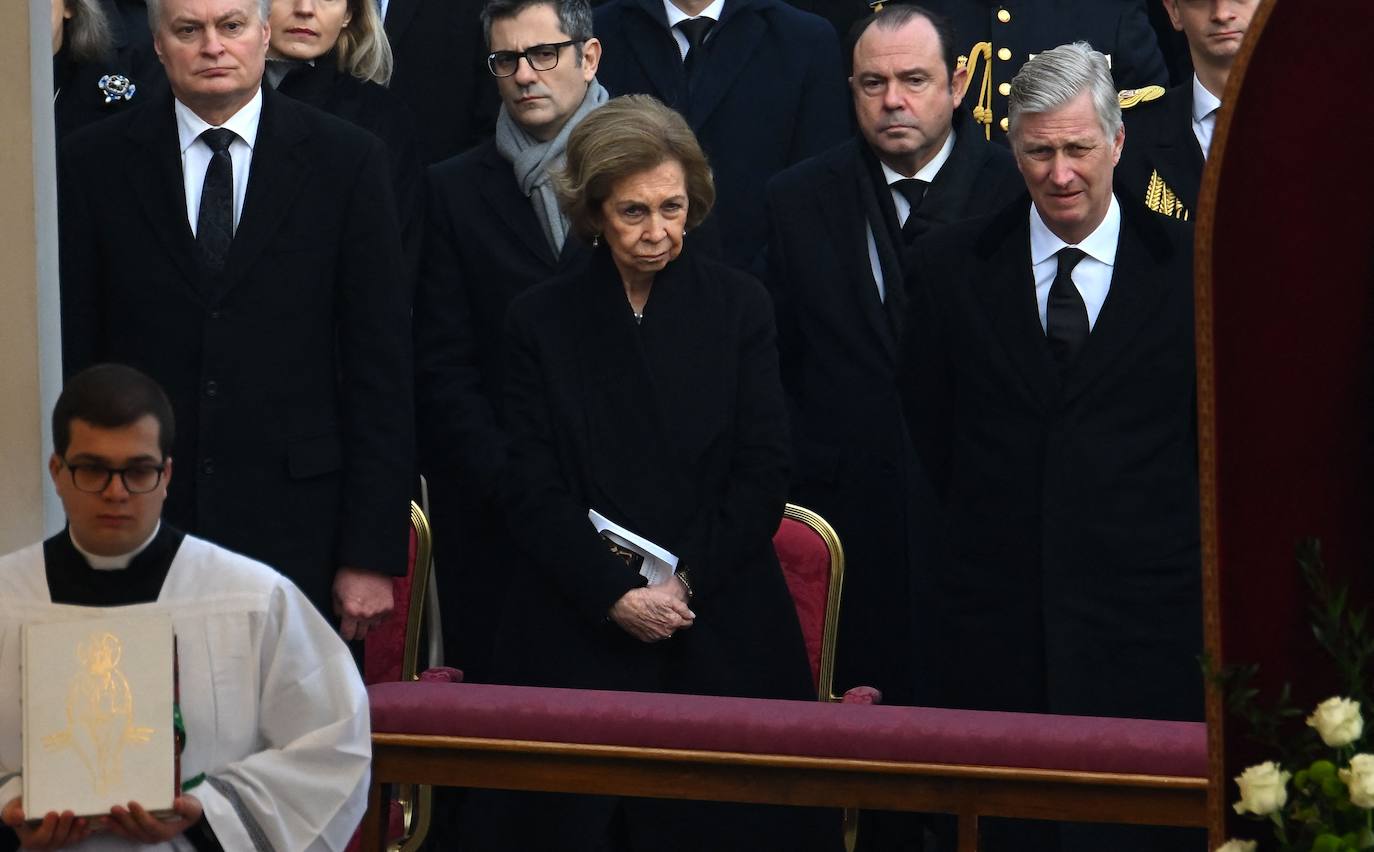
275 712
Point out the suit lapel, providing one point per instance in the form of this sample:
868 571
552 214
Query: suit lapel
154 169
865 214
280 166
646 32
1134 292
729 49
498 189
1006 289
955 183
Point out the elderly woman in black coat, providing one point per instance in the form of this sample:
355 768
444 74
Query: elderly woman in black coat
645 388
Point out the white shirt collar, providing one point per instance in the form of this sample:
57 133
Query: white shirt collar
927 172
713 11
112 563
1204 102
244 123
1100 245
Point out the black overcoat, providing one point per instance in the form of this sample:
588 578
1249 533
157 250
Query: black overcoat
674 428
1072 583
483 247
771 92
289 372
838 348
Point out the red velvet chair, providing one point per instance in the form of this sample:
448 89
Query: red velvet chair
391 653
812 561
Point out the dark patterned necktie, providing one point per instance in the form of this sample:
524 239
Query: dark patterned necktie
215 222
914 191
695 29
1066 317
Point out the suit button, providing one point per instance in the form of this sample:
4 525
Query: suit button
1005 124
1004 89
207 467
215 314
1004 16
1004 54
211 389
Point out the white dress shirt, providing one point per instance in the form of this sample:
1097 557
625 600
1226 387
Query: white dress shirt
382 7
675 15
926 173
196 153
1093 274
1205 106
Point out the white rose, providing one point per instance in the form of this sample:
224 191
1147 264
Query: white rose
1238 846
1360 779
1337 721
1263 789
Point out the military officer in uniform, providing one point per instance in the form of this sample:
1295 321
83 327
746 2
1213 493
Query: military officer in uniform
1168 134
996 37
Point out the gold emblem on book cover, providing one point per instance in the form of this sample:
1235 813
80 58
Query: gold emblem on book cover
100 712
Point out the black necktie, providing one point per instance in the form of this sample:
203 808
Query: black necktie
695 29
913 191
215 224
1066 317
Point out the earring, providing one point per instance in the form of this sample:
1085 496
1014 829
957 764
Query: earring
596 240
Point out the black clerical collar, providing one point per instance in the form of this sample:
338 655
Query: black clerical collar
71 580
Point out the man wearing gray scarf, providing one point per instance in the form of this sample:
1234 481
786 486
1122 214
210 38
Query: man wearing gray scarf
493 230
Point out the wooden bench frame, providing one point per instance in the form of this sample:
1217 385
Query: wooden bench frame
969 792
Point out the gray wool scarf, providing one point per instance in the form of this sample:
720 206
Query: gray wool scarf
533 160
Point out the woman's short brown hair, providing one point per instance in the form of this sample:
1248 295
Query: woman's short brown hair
628 135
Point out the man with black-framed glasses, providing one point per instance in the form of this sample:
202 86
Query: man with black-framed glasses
494 229
271 701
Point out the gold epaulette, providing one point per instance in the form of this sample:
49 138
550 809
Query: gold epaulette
1130 97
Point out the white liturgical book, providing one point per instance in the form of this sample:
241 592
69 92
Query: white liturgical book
98 715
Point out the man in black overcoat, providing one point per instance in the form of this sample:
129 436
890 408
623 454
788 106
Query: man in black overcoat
1019 29
242 249
441 73
840 224
1169 134
484 245
764 90
1049 382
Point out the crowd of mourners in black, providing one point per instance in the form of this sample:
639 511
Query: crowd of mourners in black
923 269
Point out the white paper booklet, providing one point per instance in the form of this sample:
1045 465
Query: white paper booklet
98 723
655 563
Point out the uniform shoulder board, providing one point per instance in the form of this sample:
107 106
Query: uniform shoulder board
1130 97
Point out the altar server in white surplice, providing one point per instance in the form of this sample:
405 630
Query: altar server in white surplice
277 747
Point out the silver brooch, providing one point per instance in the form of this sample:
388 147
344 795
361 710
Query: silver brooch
116 86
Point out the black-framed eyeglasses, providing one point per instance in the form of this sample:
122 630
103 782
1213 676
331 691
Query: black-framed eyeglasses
95 478
541 57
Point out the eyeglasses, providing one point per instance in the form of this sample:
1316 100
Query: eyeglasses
95 478
541 57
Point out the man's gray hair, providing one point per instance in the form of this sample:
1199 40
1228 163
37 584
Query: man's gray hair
1057 76
574 17
155 12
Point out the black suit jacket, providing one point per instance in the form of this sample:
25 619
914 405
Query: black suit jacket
838 347
1072 580
290 372
1161 155
1118 28
380 112
441 73
674 428
771 93
483 247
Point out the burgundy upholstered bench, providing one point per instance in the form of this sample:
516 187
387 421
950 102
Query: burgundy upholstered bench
962 762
